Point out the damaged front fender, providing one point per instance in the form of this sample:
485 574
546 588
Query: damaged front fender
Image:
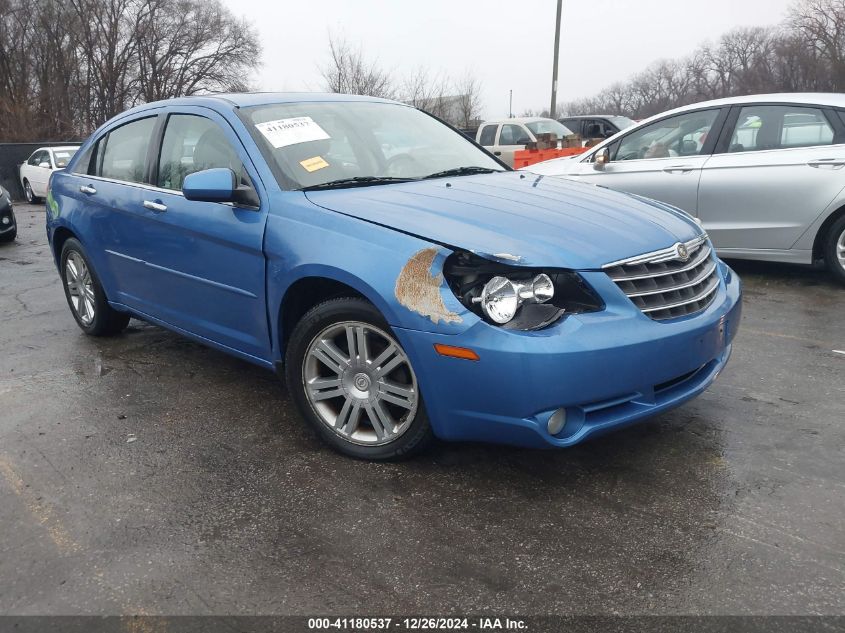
422 291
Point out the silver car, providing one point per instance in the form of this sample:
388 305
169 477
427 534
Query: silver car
764 174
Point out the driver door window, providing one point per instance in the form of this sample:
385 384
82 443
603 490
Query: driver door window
513 135
680 135
191 144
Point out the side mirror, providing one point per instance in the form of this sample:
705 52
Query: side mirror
218 185
210 185
601 159
45 165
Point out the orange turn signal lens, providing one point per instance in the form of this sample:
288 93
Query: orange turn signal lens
455 352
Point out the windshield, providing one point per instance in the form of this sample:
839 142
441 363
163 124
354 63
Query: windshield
548 126
311 144
62 157
621 122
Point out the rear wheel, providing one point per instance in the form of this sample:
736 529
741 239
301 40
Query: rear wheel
85 294
834 251
31 198
353 382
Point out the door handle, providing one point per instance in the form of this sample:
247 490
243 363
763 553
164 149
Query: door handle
678 169
835 163
158 207
88 189
497 153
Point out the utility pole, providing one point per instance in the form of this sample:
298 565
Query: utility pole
510 106
553 107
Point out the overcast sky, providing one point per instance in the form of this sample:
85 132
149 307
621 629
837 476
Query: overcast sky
508 45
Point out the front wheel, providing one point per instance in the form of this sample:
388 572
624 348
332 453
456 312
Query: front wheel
354 384
834 251
85 294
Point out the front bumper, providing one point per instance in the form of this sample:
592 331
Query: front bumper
607 369
6 212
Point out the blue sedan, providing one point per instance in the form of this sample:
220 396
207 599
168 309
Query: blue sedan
405 282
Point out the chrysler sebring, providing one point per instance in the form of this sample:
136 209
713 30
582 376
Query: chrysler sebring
403 294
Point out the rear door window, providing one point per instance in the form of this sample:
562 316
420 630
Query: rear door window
122 154
766 127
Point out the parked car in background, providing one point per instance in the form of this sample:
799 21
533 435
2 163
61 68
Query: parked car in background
596 125
764 174
35 172
8 224
432 292
505 137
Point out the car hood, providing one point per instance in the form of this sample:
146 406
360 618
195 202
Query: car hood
523 218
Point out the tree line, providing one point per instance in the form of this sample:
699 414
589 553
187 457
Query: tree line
804 53
456 100
66 66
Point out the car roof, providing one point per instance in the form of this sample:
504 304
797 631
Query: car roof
831 99
61 147
247 99
594 116
519 119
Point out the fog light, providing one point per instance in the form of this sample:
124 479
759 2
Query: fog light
557 422
5 219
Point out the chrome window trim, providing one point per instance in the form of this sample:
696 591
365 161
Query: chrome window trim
148 187
140 185
659 256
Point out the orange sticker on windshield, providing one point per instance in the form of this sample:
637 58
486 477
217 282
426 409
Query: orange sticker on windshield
313 164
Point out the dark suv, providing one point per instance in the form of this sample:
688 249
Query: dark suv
596 125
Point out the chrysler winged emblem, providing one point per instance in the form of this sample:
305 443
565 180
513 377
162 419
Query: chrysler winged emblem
683 253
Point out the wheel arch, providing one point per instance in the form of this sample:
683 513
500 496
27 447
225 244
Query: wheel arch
311 287
61 234
821 234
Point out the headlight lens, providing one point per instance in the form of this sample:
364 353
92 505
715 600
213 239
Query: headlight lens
500 297
514 297
499 300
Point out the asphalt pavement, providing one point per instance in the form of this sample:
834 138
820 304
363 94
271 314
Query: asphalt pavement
147 474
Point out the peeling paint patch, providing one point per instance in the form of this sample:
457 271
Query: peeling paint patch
419 291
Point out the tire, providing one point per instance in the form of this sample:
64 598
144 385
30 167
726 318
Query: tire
834 250
31 198
85 295
367 404
11 235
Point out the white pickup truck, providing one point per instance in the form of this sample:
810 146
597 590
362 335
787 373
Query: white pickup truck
507 136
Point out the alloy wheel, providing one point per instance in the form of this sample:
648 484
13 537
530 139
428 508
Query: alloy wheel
360 383
28 193
80 287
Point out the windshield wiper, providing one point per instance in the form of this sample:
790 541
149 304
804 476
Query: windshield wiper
461 171
357 181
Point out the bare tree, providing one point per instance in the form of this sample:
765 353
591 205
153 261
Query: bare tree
187 46
427 91
68 65
349 72
805 53
468 90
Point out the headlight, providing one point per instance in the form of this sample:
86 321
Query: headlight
514 297
500 297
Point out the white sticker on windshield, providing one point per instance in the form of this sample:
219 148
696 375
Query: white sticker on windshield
284 132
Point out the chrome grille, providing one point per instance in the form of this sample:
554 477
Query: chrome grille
670 283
